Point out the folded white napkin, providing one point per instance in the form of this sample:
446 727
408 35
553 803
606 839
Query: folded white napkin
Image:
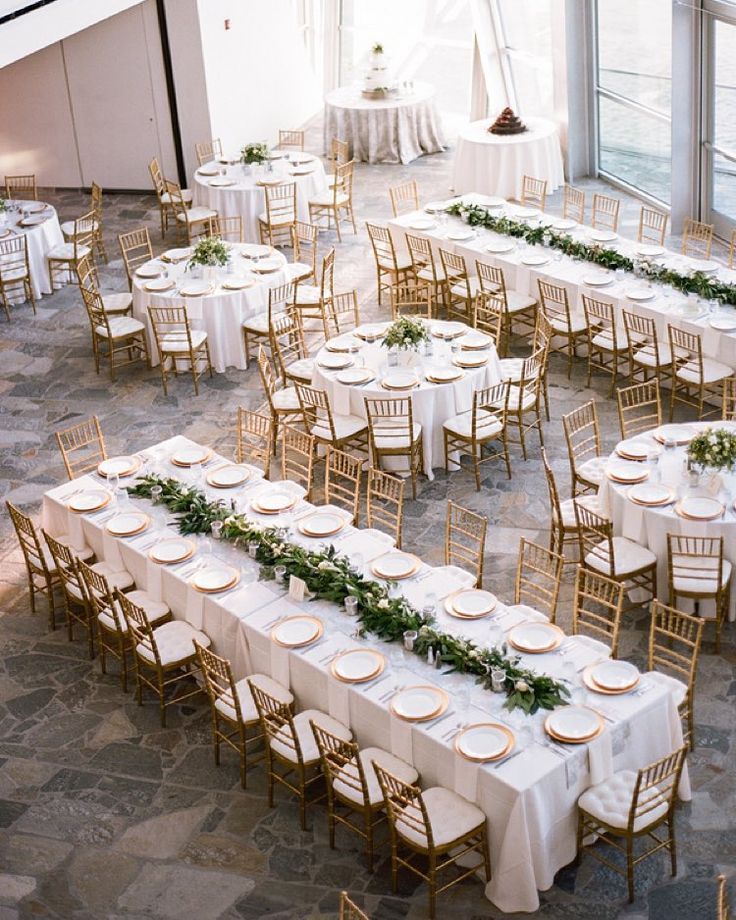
369 543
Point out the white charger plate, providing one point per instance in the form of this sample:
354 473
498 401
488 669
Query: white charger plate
700 507
598 279
212 580
230 476
335 362
448 330
527 213
266 266
603 236
274 502
149 270
354 375
177 255
173 549
650 251
574 723
461 235
400 380
534 260
190 456
499 246
196 289
416 704
723 322
626 471
445 374
222 182
296 631
640 294
160 284
680 434
396 565
237 284
484 742
91 500
565 224
358 664
422 224
254 251
651 493
122 466
635 449
471 603
535 637
321 524
128 523
615 675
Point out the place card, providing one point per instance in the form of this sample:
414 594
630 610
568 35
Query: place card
297 589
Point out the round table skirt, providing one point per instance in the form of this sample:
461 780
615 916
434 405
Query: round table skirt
39 240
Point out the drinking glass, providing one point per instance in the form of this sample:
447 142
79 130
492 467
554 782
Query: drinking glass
113 482
351 605
216 530
280 573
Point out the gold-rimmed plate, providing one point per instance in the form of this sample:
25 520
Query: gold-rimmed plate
176 255
680 434
535 638
358 665
574 724
171 550
159 285
191 456
229 477
636 449
420 703
119 466
400 380
611 677
448 330
149 270
625 471
297 631
237 284
396 565
470 360
370 332
445 375
274 502
196 289
321 524
128 524
651 494
484 742
470 603
213 579
699 508
89 500
353 376
476 341
335 362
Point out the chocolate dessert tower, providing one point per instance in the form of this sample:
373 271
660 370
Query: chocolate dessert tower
507 123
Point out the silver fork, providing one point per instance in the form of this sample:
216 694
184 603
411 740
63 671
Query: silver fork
391 692
330 655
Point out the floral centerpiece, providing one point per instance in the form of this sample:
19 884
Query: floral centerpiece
209 254
405 332
714 448
254 153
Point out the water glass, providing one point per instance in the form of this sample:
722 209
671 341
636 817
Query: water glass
253 549
351 605
156 494
113 482
410 637
498 680
216 530
280 574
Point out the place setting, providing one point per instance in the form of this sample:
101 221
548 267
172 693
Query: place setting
297 631
651 494
485 742
322 524
400 380
574 725
122 467
396 566
274 501
187 457
214 578
700 508
611 677
470 604
128 524
535 638
421 703
229 476
626 472
358 665
172 550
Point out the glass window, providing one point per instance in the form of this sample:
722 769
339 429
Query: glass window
724 120
527 39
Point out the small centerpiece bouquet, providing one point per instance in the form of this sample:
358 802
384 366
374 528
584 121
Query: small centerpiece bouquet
210 252
254 153
714 448
405 332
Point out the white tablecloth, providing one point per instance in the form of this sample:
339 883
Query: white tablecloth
432 403
496 164
39 240
397 129
220 314
247 198
530 800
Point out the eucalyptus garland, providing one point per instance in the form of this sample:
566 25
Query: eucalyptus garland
545 235
329 576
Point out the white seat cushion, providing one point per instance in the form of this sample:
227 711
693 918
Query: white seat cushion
257 324
174 344
298 270
86 552
307 743
516 301
345 427
10 275
285 399
698 585
398 442
402 262
117 303
577 323
511 368
247 705
327 198
154 611
592 470
67 228
567 507
301 369
65 252
450 816
604 340
308 294
460 290
712 371
175 641
610 802
193 215
527 401
677 688
185 194
488 424
278 222
120 327
425 274
646 355
369 756
628 557
121 578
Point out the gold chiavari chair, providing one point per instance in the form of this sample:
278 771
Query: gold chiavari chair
395 268
304 245
605 212
583 439
15 273
254 439
208 151
404 197
257 329
234 713
652 226
82 447
597 606
178 342
276 222
729 399
722 906
349 910
292 755
352 786
618 558
226 228
573 204
639 408
68 228
412 299
563 523
282 403
394 433
343 478
632 805
314 302
119 304
288 347
336 201
433 824
21 187
135 247
191 222
77 607
385 503
291 140
695 377
346 432
732 250
339 155
567 324
648 357
63 259
604 346
462 289
533 192
465 540
489 318
163 656
519 310
697 238
697 571
297 458
165 204
523 403
482 427
538 578
113 636
345 311
674 649
425 267
511 368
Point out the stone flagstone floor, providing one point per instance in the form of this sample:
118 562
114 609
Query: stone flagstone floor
105 815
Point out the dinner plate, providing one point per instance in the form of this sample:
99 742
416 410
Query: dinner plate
527 213
278 180
208 171
222 182
237 284
699 508
276 155
489 201
499 246
640 294
650 251
176 255
254 251
626 471
296 631
212 580
615 676
652 494
191 456
603 236
266 266
304 171
159 284
705 266
692 311
445 374
335 362
128 524
396 565
321 524
723 322
565 224
470 603
342 345
534 260
574 724
461 235
636 449
422 224
470 360
418 704
355 375
230 476
535 637
680 434
274 502
448 330
358 665
173 549
299 159
196 289
6 232
400 380
36 208
484 742
33 221
148 271
598 279
121 466
434 207
371 331
91 500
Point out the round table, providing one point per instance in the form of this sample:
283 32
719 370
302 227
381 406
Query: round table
221 312
39 223
433 403
496 164
649 525
394 129
246 196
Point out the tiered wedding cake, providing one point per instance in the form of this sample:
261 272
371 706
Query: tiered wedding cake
507 123
378 80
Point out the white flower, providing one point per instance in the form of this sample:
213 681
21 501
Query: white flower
324 565
522 686
229 520
475 654
278 549
383 604
424 631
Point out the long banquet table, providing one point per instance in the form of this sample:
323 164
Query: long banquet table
530 798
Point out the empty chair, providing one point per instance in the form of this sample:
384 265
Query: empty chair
538 578
567 324
135 247
390 268
68 228
288 347
729 399
404 197
732 250
563 524
290 140
345 311
425 267
605 212
117 338
342 431
697 571
394 433
82 447
437 824
533 192
63 259
523 403
583 439
412 299
605 348
349 910
191 222
226 228
461 287
343 475
297 458
276 222
235 720
632 805
336 204
165 204
385 503
283 403
257 328
465 540
15 273
177 342
254 439
639 408
77 608
314 301
697 238
304 245
208 150
519 310
489 319
648 357
573 204
21 187
652 226
339 155
597 605
695 377
483 427
114 304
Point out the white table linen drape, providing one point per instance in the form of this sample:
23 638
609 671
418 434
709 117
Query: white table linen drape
40 239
